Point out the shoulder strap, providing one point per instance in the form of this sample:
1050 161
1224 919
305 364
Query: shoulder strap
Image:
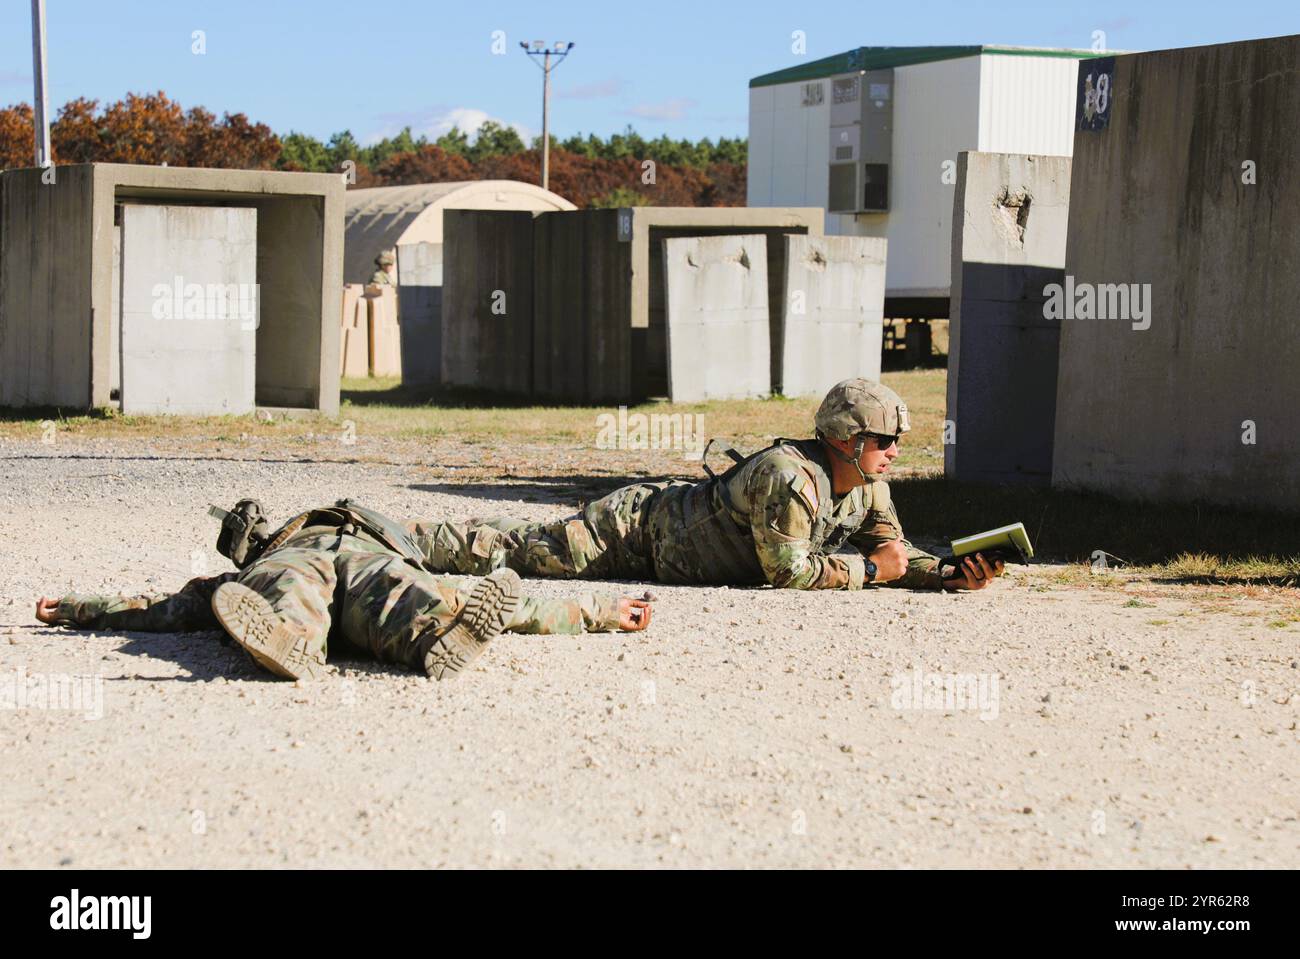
736 458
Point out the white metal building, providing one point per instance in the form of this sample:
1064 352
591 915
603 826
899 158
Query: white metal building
873 135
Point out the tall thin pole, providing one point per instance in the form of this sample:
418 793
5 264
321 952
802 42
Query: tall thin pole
559 51
41 105
546 122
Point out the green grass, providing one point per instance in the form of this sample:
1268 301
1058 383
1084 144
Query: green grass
1170 542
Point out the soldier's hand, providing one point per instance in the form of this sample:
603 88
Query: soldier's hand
633 614
47 611
890 559
975 572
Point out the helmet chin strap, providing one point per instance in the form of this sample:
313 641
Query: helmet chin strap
857 453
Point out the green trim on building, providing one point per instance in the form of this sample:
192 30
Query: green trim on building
880 58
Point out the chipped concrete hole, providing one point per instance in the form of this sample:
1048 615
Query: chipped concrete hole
815 260
742 258
1011 214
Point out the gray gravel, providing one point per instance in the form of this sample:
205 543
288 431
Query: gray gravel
748 727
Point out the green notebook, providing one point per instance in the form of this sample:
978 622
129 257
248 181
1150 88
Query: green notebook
1006 542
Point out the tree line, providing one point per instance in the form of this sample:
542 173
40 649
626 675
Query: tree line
621 170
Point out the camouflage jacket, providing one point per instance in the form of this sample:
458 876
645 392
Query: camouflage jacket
773 518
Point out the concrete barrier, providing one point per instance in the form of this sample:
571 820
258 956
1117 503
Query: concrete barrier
597 332
354 345
189 312
385 355
419 302
832 316
716 307
60 279
487 300
1184 190
1010 215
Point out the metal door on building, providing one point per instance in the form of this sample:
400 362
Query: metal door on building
187 309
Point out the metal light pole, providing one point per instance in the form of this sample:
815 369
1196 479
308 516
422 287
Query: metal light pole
538 48
41 103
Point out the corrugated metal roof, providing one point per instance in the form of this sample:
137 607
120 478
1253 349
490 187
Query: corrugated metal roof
376 218
880 58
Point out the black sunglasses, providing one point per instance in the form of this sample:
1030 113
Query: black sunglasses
884 442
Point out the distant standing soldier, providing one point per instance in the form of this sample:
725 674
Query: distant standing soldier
801 514
385 272
349 573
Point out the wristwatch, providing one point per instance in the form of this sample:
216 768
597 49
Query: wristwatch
871 571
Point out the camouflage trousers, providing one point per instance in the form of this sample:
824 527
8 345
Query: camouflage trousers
337 587
606 540
360 593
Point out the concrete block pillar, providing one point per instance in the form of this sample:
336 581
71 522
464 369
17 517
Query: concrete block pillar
833 311
1009 228
717 317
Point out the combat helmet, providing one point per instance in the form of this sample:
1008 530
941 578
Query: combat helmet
855 407
385 259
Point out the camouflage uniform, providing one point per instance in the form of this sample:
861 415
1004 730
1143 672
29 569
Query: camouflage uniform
381 276
771 518
342 573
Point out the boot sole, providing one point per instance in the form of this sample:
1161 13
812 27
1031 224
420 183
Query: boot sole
489 609
273 643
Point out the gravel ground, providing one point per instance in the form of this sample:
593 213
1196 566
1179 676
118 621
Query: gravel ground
747 727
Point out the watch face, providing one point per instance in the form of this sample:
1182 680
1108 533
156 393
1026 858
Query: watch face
871 570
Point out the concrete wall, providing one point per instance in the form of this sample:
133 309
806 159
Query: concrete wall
292 342
597 282
583 340
655 350
487 305
716 307
1158 198
649 226
188 310
46 314
833 312
419 296
1008 243
58 276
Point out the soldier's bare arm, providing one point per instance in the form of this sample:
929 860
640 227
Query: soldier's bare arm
184 611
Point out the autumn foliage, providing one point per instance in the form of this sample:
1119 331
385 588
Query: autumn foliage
154 129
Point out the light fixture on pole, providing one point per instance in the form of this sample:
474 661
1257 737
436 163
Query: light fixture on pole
559 51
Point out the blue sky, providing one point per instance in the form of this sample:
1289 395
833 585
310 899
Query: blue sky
672 67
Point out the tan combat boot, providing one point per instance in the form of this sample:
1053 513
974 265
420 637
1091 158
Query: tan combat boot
488 611
278 646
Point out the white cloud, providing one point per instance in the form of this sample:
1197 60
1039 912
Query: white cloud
674 109
436 121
